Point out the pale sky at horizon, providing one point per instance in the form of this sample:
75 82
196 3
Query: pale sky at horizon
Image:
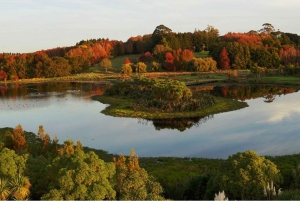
28 25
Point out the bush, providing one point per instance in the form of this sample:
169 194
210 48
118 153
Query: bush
170 95
289 195
119 89
232 74
155 66
140 67
202 65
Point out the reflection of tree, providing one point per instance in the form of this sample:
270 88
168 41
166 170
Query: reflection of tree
244 92
180 124
46 90
269 98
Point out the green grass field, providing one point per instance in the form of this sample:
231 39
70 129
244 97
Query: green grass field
116 62
201 54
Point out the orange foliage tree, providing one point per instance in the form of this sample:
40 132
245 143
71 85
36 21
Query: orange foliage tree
16 140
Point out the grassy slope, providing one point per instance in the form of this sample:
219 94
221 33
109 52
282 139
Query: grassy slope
201 54
116 62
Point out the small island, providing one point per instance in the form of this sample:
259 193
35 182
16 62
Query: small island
159 99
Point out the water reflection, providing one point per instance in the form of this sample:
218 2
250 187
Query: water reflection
25 96
66 110
180 124
247 92
269 98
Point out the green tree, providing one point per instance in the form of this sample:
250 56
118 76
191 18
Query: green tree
80 176
244 175
13 183
267 28
211 35
105 63
158 34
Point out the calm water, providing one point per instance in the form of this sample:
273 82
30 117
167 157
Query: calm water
268 126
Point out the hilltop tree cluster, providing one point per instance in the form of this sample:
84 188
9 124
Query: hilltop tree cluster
164 50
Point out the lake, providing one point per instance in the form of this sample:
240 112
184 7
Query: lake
269 126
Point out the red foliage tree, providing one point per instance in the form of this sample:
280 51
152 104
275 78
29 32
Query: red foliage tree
127 61
148 56
3 75
224 59
142 58
169 65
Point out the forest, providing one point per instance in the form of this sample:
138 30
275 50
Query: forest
164 50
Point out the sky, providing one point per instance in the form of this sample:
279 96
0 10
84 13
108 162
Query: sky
32 25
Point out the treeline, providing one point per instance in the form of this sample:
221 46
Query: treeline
171 52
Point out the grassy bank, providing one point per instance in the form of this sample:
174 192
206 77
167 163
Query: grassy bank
120 107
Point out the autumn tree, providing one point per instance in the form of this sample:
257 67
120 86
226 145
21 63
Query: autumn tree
169 62
133 182
182 57
159 53
17 139
140 67
126 69
224 60
3 75
202 64
105 63
127 61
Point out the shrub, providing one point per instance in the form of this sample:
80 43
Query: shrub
140 67
119 89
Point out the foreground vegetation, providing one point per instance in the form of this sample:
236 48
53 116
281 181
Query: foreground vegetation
37 167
